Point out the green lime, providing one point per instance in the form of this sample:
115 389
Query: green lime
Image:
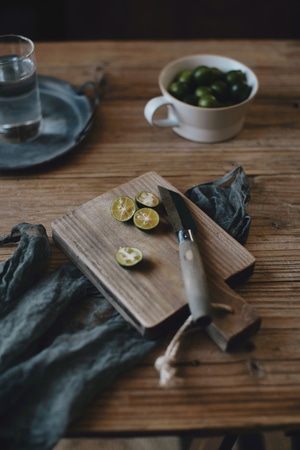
208 101
235 76
148 199
240 91
217 74
220 89
129 256
178 89
202 75
123 208
210 87
202 90
185 76
146 219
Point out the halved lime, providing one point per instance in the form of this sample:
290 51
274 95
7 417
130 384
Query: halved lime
146 219
128 256
147 199
123 208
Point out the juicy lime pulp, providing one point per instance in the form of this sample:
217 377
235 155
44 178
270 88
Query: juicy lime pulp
147 199
123 208
146 218
128 256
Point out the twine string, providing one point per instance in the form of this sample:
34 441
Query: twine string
166 364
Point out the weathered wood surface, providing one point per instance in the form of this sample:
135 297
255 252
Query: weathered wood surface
255 387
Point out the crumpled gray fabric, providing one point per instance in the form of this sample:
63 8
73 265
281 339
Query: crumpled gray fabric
61 342
225 201
36 310
16 274
40 397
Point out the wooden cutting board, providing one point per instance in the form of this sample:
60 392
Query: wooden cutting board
151 296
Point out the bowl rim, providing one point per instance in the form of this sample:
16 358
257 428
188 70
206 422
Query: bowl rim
174 62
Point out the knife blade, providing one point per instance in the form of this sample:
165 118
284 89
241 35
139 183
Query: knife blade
192 268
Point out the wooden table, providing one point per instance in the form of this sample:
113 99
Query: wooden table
257 387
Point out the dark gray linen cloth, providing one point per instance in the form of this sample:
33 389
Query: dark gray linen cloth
61 342
225 201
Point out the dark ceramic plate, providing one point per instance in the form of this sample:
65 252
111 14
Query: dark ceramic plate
67 117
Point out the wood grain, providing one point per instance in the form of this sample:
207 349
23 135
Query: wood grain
256 387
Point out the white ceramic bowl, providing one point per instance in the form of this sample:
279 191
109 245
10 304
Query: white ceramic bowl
193 122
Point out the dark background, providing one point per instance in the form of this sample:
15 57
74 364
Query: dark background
154 19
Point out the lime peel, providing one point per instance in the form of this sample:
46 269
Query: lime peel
129 256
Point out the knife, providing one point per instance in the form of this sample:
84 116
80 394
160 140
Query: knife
192 268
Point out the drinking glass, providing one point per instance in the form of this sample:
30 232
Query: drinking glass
20 105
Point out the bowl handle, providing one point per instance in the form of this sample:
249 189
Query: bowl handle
153 105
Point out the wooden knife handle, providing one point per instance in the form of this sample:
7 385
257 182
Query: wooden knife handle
195 281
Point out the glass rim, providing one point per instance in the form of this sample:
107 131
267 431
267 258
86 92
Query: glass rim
17 38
